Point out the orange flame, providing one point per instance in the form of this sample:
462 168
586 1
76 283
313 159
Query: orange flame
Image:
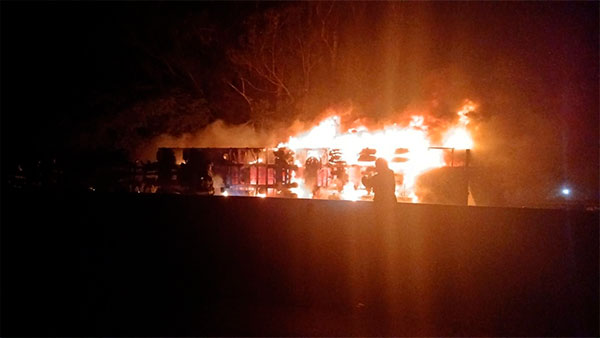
459 137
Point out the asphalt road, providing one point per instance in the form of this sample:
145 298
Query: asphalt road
168 265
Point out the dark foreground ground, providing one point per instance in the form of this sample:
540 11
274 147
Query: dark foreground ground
135 265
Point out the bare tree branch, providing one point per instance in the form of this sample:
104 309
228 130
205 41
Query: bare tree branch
242 92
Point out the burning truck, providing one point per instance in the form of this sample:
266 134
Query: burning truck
327 162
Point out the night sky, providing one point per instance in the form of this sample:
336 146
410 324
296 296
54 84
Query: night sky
71 69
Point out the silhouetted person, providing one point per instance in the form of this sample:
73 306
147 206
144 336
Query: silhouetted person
311 174
383 183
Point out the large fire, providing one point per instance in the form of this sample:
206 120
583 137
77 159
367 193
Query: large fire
407 148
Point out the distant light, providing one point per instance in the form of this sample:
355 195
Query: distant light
566 191
225 193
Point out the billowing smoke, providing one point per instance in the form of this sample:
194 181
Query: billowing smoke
518 159
221 134
216 134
